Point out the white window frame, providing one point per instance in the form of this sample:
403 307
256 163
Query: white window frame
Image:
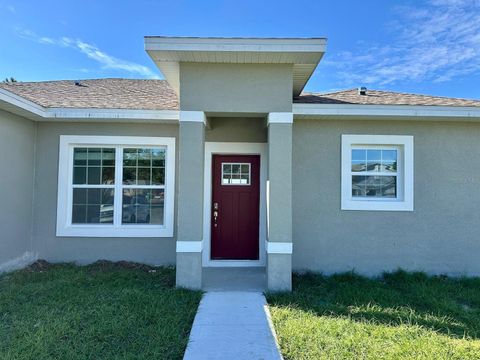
404 146
65 192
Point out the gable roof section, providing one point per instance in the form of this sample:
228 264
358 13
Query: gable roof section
377 97
303 53
98 94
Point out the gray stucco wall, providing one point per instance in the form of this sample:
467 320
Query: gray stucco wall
255 88
237 129
440 236
17 149
159 251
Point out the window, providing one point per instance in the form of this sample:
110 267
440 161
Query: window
235 173
116 186
377 172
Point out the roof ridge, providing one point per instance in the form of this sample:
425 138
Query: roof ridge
389 92
425 95
325 93
64 80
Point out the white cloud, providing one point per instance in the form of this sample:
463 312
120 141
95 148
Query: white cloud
91 51
11 8
436 42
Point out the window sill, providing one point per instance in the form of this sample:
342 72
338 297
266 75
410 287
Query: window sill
377 205
145 231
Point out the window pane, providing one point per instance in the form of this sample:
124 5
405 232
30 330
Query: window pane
108 157
144 157
137 166
129 176
79 196
374 186
93 166
143 206
93 175
129 157
80 156
235 169
144 176
358 186
80 175
389 160
358 166
94 157
158 157
92 206
108 175
374 166
358 155
79 214
227 168
389 186
158 176
374 155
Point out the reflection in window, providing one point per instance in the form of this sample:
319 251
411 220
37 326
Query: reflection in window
93 166
143 206
92 206
235 174
144 166
374 173
143 184
93 185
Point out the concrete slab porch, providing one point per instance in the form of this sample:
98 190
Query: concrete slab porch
234 279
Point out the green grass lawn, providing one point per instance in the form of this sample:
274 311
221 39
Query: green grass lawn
102 311
399 316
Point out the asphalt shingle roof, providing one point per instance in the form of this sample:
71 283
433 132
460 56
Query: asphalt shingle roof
158 95
377 97
98 94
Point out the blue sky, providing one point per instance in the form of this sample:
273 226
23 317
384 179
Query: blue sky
423 46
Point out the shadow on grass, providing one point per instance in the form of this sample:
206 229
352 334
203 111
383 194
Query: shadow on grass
449 306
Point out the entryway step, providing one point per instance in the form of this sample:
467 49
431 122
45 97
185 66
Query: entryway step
232 325
234 279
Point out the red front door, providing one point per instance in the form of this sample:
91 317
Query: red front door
235 207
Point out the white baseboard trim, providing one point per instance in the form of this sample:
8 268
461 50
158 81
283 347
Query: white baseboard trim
189 246
19 263
279 247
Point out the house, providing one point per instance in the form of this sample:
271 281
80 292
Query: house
227 163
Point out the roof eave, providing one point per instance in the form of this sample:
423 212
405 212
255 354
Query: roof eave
360 111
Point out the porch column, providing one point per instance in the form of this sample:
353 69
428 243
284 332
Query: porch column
279 245
190 199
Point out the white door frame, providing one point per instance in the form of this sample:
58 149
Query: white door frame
234 148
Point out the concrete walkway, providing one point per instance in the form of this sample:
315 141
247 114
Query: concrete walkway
232 325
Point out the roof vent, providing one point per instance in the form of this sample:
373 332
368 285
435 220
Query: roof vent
362 90
77 83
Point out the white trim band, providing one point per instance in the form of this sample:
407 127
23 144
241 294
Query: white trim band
192 116
279 247
189 246
280 118
418 112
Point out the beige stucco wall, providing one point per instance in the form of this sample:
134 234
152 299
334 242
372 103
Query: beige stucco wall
17 145
237 129
247 88
442 235
84 249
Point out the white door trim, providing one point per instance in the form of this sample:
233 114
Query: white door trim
222 148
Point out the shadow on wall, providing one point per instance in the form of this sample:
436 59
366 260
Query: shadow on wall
450 306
